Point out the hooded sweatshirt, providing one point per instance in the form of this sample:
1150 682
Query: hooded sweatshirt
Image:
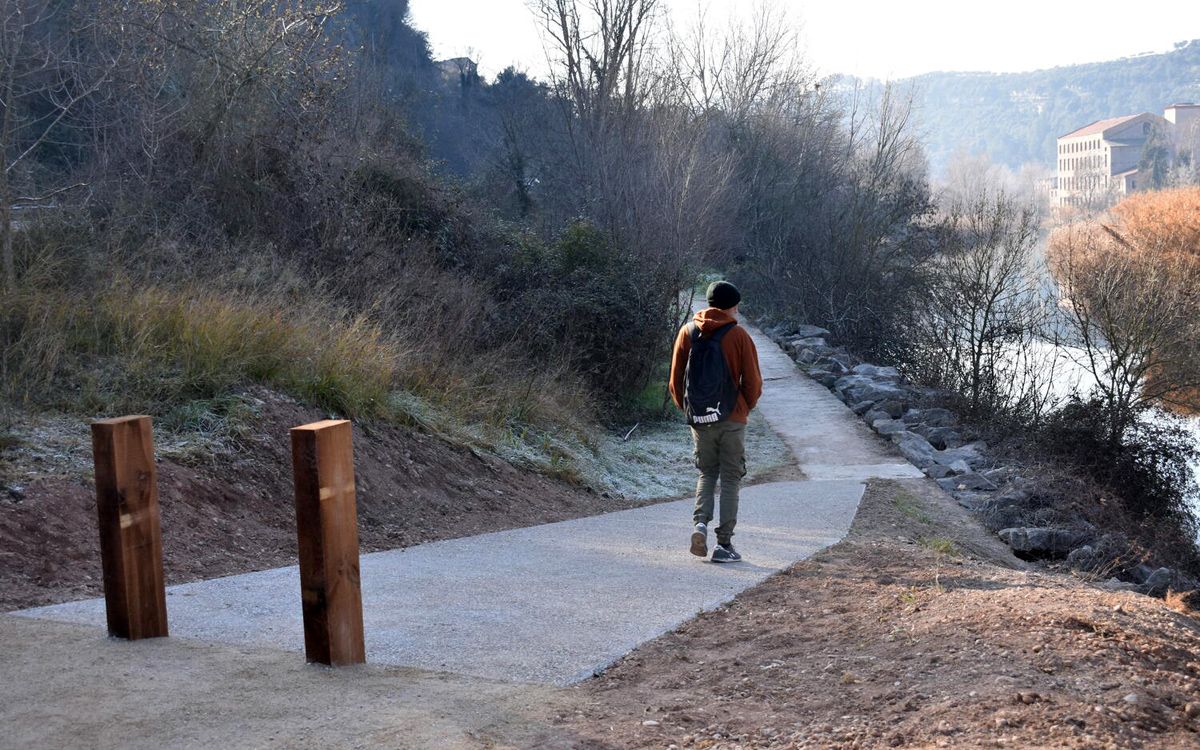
740 356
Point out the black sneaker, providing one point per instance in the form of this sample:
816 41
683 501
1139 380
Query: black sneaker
700 541
725 553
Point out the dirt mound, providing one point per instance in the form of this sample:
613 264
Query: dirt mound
234 512
914 632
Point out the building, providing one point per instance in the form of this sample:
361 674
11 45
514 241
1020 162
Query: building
1099 162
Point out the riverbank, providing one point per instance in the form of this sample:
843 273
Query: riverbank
1045 509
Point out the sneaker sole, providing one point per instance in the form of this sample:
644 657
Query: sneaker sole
699 544
722 560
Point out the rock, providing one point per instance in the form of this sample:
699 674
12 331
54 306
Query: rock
862 407
806 356
971 453
1139 573
809 331
876 371
888 426
1191 709
649 723
894 408
1035 543
937 471
875 415
1000 475
1116 584
931 417
1082 558
966 481
856 388
960 467
1157 583
941 438
832 364
809 342
823 376
915 448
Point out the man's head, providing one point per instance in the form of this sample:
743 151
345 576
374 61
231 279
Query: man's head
723 296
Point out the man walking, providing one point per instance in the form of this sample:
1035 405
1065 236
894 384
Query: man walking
716 382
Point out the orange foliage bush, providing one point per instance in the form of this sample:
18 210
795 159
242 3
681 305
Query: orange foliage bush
1134 275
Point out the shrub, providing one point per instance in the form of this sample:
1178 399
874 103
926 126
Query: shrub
1150 469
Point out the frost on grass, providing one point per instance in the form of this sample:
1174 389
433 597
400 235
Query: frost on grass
655 462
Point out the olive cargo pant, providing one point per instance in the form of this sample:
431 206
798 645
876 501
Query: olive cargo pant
720 452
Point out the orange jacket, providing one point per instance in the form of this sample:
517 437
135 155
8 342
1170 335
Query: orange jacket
740 356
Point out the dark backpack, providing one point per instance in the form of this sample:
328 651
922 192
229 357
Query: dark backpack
709 393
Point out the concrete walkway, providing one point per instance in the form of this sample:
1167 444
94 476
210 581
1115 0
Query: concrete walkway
557 602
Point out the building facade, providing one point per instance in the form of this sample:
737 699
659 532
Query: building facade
1099 162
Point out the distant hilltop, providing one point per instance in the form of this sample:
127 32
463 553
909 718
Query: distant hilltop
1016 118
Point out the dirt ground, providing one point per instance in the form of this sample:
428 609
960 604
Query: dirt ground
234 514
919 630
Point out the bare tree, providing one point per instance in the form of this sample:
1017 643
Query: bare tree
986 302
46 74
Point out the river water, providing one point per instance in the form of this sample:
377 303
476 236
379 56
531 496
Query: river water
1070 376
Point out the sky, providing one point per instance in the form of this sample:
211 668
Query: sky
871 38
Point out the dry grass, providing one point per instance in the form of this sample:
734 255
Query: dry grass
150 348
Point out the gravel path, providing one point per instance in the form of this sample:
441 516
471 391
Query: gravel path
557 602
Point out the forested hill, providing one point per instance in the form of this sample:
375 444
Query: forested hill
1015 117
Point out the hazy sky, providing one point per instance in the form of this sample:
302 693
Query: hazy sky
884 39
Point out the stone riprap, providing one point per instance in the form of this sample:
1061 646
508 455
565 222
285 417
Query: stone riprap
931 439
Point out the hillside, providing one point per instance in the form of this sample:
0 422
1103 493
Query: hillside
1015 117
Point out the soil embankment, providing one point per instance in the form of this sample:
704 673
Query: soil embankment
919 630
233 512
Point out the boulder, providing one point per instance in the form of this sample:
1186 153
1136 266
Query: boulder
893 406
888 426
808 331
862 407
805 356
959 467
856 388
875 415
1082 558
937 471
876 371
966 481
914 447
1159 582
1037 543
832 364
971 453
809 342
931 417
823 376
939 437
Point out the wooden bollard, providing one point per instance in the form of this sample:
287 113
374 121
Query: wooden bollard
327 528
130 534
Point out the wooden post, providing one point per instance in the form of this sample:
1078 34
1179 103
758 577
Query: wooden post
130 535
327 528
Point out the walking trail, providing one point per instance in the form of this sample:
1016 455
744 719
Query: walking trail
557 602
541 606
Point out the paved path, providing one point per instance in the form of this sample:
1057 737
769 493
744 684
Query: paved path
554 603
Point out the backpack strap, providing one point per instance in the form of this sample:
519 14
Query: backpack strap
717 335
720 332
